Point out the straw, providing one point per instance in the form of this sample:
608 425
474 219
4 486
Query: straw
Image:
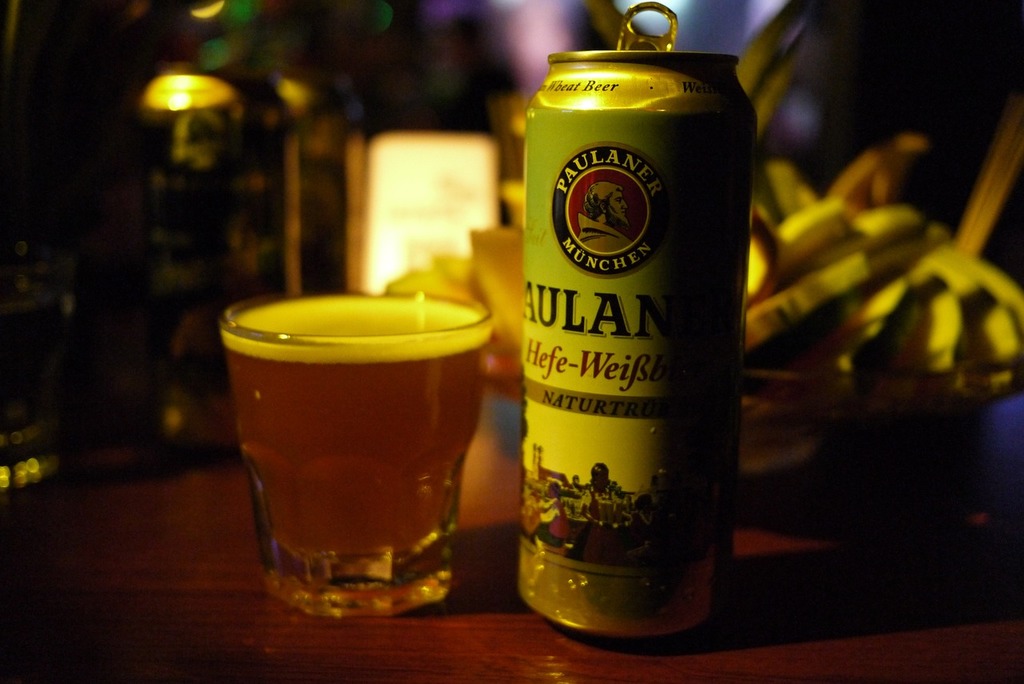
996 179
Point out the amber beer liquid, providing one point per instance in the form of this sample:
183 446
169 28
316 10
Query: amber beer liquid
354 431
638 181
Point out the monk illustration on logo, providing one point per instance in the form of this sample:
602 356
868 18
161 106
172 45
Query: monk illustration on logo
603 221
609 210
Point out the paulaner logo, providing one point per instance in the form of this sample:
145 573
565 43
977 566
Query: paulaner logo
609 209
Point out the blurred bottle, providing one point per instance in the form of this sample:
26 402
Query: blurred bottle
327 117
218 180
247 192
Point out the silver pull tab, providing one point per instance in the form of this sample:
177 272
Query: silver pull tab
631 39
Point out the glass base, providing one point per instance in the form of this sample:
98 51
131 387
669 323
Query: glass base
354 598
342 586
388 581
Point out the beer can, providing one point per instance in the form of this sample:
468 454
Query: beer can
638 188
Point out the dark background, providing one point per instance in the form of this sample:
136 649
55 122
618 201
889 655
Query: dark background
69 140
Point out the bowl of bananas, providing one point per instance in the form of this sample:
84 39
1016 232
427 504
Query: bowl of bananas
855 284
860 307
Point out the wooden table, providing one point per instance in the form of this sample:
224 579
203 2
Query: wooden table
896 554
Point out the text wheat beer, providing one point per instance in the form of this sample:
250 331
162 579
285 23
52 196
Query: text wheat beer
638 179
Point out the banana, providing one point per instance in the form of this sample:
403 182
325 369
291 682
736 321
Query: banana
877 353
944 265
871 230
960 267
447 277
763 196
798 339
877 175
834 351
883 223
853 183
457 269
761 261
807 232
932 343
498 272
922 333
791 304
788 307
991 335
899 257
789 187
900 154
993 332
880 303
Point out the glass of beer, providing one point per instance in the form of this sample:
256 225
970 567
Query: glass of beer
354 415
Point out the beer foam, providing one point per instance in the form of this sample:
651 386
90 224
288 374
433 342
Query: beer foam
354 329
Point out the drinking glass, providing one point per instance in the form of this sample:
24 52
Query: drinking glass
354 416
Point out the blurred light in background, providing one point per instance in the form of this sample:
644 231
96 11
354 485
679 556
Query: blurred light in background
712 25
214 54
524 32
380 16
207 10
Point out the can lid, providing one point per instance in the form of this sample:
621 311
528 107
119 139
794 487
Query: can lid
630 38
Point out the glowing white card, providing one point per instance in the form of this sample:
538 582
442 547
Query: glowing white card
426 192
